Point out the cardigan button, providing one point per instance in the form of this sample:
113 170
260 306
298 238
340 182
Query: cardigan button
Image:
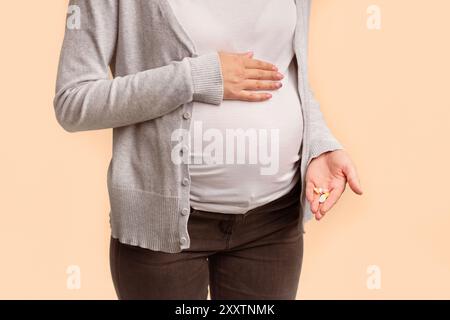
186 115
184 150
185 182
185 211
183 240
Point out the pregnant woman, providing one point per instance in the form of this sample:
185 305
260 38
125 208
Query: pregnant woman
220 151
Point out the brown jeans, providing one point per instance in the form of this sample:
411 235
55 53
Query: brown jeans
256 255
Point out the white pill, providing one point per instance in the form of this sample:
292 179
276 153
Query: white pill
323 197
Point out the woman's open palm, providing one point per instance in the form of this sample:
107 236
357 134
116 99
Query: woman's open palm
331 170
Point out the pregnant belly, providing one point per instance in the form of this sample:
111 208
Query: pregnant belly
245 154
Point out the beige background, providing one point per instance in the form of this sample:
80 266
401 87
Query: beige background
384 93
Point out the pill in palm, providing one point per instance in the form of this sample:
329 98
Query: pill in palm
323 197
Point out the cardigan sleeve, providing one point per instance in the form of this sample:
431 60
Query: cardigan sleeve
86 98
321 138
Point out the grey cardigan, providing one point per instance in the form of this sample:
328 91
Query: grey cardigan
156 75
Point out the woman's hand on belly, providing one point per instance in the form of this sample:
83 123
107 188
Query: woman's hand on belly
243 74
331 170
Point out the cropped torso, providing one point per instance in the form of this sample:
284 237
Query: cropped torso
244 154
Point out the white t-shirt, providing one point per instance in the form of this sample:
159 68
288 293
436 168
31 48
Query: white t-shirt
244 154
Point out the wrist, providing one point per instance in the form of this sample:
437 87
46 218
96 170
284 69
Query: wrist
207 78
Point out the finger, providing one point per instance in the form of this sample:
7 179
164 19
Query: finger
249 54
259 74
352 179
334 196
315 204
318 214
309 191
252 96
261 85
259 64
